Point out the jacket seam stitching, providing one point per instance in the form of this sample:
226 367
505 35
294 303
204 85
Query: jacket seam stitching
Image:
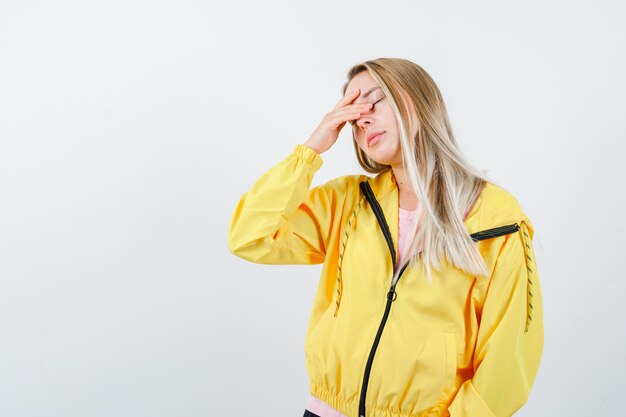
344 240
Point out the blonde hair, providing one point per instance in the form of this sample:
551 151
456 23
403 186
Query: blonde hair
443 181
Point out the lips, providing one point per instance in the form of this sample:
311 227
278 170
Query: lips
373 136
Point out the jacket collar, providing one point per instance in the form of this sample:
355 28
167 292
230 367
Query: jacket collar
383 183
501 210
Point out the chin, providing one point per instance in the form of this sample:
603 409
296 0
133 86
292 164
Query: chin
381 156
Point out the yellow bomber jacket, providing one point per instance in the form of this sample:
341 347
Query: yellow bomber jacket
461 346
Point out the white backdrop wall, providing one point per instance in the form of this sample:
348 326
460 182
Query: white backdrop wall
129 129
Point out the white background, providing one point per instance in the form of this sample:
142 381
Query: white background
129 129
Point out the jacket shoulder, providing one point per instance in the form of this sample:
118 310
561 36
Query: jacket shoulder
499 207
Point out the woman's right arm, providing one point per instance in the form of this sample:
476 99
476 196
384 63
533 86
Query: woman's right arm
280 220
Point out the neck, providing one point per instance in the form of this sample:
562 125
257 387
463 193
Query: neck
406 196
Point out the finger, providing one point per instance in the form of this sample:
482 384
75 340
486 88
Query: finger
354 108
343 116
347 111
359 106
348 98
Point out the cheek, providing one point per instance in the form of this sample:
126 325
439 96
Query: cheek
358 139
390 121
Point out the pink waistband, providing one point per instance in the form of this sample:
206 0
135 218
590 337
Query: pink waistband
317 406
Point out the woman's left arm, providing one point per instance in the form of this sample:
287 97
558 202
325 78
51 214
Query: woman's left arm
510 335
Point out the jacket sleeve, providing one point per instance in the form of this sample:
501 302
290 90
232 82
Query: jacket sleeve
280 220
510 335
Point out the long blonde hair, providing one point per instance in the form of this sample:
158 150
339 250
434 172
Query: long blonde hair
443 181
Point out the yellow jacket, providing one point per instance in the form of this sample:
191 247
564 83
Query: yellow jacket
463 346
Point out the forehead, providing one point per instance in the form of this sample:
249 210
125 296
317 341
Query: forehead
368 90
364 81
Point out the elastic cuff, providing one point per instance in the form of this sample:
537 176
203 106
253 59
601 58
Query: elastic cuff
308 155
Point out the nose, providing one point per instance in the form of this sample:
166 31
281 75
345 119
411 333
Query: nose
365 120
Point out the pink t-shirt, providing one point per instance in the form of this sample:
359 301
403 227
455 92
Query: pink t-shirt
320 408
406 218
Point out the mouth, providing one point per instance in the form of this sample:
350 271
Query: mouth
374 138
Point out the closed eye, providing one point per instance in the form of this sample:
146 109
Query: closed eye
352 122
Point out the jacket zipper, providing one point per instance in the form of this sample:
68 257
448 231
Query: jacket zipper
391 294
496 231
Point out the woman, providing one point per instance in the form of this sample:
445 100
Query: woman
429 301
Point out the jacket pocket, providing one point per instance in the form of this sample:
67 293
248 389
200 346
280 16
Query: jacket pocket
419 365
